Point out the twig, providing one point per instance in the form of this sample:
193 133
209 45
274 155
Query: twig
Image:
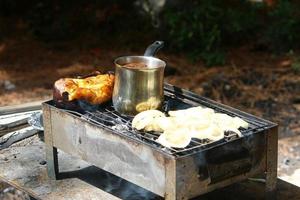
21 108
13 122
260 180
18 136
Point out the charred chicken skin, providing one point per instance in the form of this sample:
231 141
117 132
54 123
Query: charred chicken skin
95 89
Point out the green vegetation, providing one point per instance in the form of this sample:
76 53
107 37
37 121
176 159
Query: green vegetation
203 29
283 26
296 63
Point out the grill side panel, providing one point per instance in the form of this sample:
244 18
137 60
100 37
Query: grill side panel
125 158
221 166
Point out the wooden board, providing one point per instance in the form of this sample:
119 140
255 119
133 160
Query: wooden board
36 105
289 159
22 166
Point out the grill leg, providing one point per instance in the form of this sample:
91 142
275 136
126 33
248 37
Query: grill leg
52 162
174 197
172 191
51 151
271 171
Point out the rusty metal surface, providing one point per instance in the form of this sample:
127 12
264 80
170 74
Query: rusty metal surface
20 166
249 190
171 177
289 159
219 167
51 152
271 163
172 173
170 189
130 160
14 127
11 122
31 106
166 175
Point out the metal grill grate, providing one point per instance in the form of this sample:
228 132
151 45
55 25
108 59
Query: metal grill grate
175 99
107 117
111 119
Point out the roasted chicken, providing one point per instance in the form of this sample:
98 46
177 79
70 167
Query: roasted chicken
95 89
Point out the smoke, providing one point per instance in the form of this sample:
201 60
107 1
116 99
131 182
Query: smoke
153 8
110 183
126 190
84 105
129 191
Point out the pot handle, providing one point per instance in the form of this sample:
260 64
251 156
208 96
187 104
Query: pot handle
153 48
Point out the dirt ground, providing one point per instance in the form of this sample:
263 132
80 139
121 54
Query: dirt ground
254 81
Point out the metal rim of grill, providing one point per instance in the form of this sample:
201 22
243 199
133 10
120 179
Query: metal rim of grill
106 117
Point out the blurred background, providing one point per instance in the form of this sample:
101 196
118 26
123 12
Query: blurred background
243 53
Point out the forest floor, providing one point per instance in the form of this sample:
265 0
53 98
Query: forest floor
253 81
256 82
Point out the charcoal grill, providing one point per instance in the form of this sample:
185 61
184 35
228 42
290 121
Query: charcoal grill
105 139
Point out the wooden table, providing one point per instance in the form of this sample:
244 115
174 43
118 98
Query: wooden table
23 166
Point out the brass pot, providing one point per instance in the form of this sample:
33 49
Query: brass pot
140 88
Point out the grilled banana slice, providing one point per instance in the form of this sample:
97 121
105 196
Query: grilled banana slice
192 112
151 104
148 120
238 122
212 132
228 123
182 125
177 138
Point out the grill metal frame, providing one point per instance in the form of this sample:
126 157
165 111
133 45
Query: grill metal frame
175 173
112 120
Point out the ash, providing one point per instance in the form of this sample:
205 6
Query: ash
11 193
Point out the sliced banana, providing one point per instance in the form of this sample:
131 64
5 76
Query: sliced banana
151 104
145 120
197 123
179 138
240 123
182 125
221 119
182 113
155 124
166 123
192 112
212 132
227 123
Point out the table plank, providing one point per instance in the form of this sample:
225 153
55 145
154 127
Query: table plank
36 105
20 166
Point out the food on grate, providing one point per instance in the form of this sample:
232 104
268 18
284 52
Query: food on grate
177 138
95 89
195 122
151 104
136 65
238 122
192 112
213 133
227 123
148 120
